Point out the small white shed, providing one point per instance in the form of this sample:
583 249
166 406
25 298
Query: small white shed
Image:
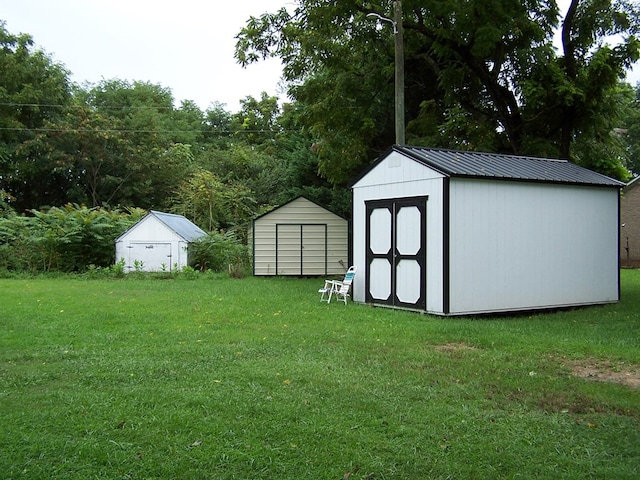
456 233
300 238
157 242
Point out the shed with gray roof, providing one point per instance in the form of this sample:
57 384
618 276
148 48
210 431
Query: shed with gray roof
159 242
459 233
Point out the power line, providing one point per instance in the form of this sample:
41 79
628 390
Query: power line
115 107
110 107
88 130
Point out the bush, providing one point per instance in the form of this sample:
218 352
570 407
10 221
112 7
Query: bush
220 252
67 239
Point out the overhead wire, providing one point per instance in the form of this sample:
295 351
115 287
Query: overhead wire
110 107
89 130
115 107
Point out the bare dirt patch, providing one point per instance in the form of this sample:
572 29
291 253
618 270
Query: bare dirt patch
605 371
454 347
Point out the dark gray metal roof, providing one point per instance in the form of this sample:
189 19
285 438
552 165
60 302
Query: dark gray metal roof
180 225
454 163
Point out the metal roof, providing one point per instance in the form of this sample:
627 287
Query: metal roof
454 163
632 183
180 225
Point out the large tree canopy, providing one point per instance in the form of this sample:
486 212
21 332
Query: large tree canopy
126 143
479 75
33 91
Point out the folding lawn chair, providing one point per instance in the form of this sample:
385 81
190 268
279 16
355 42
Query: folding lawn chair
338 288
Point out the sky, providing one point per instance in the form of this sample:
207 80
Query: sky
186 46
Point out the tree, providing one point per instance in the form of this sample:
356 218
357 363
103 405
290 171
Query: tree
262 173
298 162
479 75
629 129
257 121
206 200
33 91
85 156
217 127
117 144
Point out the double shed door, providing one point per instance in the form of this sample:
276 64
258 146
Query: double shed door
396 252
149 256
301 249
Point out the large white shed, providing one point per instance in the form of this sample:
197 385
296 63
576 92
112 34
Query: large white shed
300 238
157 242
457 233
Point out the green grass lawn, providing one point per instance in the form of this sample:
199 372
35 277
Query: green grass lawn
256 379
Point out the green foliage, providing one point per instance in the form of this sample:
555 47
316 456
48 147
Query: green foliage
297 168
257 121
220 252
5 207
216 128
118 268
206 200
263 175
33 92
189 273
86 159
122 143
16 249
629 130
68 239
599 145
478 75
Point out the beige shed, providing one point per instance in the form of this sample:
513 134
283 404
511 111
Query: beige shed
630 225
300 238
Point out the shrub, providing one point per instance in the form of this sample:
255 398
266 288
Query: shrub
67 239
118 269
220 252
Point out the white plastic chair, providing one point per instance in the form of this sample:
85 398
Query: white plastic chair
337 288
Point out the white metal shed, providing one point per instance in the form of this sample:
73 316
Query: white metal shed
157 242
456 233
300 238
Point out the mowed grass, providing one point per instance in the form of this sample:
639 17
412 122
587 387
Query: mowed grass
256 379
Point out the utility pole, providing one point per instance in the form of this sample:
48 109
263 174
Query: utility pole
399 68
398 32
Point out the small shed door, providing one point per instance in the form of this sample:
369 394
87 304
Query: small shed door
301 249
149 256
396 252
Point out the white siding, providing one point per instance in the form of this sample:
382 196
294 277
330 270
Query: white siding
399 177
150 241
512 245
521 245
300 221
